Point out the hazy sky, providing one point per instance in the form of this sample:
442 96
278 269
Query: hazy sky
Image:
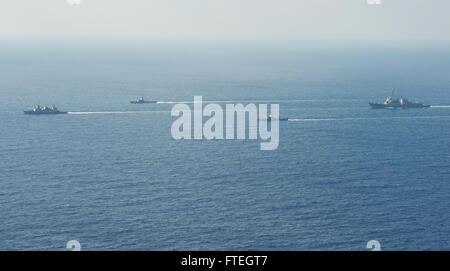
227 19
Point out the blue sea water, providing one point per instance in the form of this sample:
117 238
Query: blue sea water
112 177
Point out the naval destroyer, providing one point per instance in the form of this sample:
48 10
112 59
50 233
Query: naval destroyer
142 101
38 110
393 103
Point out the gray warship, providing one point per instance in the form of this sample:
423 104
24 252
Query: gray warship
393 103
142 101
38 110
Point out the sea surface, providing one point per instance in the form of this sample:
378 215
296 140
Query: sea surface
110 175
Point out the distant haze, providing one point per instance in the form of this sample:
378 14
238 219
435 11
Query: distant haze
420 20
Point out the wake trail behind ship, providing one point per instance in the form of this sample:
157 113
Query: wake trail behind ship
116 112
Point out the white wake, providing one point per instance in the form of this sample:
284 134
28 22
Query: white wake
116 112
440 106
386 118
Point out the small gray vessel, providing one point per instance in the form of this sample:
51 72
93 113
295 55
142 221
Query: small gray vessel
393 103
38 110
142 101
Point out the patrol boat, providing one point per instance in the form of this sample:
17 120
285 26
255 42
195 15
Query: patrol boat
393 103
142 101
38 110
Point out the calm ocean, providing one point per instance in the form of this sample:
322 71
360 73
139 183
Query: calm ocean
113 178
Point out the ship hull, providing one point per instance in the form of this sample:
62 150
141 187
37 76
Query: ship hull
44 113
387 106
145 102
377 106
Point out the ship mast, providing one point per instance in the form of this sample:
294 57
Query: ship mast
392 93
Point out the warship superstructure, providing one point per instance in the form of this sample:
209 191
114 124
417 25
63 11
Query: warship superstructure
392 103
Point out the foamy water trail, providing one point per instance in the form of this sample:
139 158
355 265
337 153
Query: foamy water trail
115 112
245 101
182 102
329 119
192 102
440 106
387 118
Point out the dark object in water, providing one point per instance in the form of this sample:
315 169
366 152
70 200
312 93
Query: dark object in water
142 101
269 118
392 103
38 110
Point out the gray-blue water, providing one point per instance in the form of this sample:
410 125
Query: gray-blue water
343 174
